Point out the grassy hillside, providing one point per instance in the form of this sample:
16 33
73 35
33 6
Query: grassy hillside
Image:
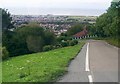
39 67
112 41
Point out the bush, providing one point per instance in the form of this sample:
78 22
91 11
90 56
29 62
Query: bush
64 44
59 39
47 48
35 43
75 41
69 38
57 46
49 38
71 43
5 53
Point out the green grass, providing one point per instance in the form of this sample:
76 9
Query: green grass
39 67
112 41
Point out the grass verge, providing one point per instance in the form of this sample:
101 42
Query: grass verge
39 67
112 41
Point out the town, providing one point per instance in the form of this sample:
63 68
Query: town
59 41
56 23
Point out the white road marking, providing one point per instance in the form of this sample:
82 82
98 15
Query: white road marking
87 59
87 68
90 78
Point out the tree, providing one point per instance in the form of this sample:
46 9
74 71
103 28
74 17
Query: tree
74 29
35 43
100 25
6 19
5 53
91 29
32 36
7 35
49 38
107 24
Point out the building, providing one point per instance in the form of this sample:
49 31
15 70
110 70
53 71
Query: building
82 34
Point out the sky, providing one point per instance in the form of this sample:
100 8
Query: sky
60 7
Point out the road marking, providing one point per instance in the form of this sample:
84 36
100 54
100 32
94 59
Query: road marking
87 59
90 78
87 65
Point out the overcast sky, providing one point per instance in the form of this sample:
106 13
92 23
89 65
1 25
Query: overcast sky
16 6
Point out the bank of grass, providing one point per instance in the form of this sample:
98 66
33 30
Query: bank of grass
39 67
110 40
113 41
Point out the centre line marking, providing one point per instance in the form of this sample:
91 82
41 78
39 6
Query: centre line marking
90 78
87 59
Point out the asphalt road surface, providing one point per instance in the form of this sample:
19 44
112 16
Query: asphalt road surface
97 62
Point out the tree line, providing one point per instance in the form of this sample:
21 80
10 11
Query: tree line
107 25
29 39
32 38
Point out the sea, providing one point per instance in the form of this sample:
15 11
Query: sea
57 11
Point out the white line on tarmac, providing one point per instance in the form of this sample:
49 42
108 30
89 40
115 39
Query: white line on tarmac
87 68
90 78
87 59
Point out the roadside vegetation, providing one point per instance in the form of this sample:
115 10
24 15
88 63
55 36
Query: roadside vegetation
39 67
111 41
107 25
32 54
30 38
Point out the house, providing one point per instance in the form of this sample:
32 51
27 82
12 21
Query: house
82 34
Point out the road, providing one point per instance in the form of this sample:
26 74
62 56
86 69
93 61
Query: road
97 62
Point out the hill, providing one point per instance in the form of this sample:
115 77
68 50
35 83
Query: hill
39 67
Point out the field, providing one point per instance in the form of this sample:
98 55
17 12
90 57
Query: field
82 18
39 67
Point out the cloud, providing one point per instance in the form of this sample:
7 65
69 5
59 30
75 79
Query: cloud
17 6
50 3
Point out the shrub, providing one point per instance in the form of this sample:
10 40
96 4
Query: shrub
61 38
35 43
5 53
57 46
47 48
49 38
72 43
64 44
75 41
69 38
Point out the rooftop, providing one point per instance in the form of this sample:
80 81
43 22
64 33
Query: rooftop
82 33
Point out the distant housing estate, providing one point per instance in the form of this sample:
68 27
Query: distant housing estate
54 23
